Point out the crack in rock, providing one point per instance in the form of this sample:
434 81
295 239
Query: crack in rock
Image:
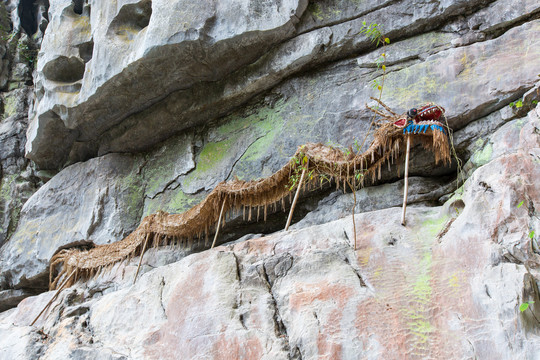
242 155
279 327
237 306
356 271
161 287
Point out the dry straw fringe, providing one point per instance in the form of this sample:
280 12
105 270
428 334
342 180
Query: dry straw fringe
323 162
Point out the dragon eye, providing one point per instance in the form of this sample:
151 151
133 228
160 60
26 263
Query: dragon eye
412 112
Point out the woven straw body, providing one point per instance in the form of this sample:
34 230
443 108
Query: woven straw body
319 161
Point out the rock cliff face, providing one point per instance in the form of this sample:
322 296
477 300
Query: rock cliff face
17 174
131 107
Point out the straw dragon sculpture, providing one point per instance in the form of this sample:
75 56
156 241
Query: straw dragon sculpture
317 160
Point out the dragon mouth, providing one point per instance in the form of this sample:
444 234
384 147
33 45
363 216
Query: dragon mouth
427 116
429 112
428 122
401 122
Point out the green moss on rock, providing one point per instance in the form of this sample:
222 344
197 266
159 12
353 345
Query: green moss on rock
213 153
10 106
10 207
211 158
131 190
413 85
419 283
4 21
483 156
267 123
173 202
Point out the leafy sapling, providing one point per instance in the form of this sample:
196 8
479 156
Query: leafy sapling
525 305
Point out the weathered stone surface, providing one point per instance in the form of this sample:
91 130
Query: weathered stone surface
17 179
12 130
500 15
27 345
11 298
337 205
163 167
503 141
171 108
328 106
203 41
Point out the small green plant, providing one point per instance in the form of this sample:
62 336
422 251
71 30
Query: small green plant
302 161
359 175
525 305
356 146
518 104
27 53
374 32
324 178
531 233
8 38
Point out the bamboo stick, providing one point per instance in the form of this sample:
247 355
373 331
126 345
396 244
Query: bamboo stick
295 199
218 224
54 297
353 211
142 254
406 184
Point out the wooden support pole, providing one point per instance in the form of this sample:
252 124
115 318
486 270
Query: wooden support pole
353 211
54 297
142 254
295 199
218 224
406 183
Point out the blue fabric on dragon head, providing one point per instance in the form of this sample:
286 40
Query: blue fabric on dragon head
422 120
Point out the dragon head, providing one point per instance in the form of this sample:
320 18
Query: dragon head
421 119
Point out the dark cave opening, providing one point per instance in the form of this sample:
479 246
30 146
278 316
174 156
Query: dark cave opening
33 15
27 14
78 6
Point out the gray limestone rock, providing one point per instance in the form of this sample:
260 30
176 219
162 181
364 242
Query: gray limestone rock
308 293
254 141
500 15
371 198
17 179
172 46
11 298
